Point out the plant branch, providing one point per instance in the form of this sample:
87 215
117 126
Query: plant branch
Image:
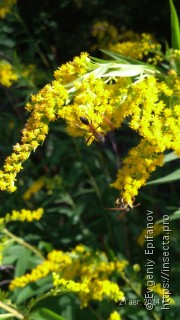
14 312
23 243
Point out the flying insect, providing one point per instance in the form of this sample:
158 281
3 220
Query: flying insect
99 137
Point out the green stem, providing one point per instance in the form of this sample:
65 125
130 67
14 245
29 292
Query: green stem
12 311
33 301
131 285
91 177
95 313
23 243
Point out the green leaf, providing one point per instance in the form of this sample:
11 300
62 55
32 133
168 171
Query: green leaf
33 289
126 60
174 216
126 70
23 263
119 57
13 253
45 314
170 157
3 295
175 30
174 176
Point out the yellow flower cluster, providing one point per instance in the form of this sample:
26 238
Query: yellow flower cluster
93 104
140 48
34 132
89 289
159 126
137 167
5 7
163 292
35 187
69 285
114 316
55 261
22 215
7 74
174 56
70 71
157 229
44 107
92 101
80 271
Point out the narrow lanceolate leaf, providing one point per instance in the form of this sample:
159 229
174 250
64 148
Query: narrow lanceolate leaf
175 29
174 216
126 60
174 176
119 57
170 157
45 314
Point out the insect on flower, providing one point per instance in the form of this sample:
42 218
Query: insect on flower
99 137
121 205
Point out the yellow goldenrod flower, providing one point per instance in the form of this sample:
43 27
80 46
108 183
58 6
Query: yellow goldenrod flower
7 74
23 215
99 289
55 260
93 103
139 47
80 271
163 292
43 108
157 229
69 285
70 71
34 188
79 249
141 161
114 316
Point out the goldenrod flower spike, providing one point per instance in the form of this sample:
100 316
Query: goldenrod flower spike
22 215
97 91
137 167
80 271
7 73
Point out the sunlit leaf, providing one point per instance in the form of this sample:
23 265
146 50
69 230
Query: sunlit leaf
45 314
174 176
5 316
33 289
175 29
170 157
174 216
